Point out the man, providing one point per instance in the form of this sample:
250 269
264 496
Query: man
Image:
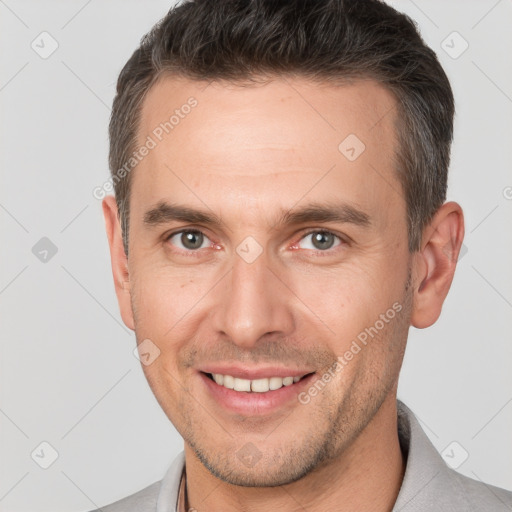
279 223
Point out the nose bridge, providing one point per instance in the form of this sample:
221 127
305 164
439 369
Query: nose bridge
253 302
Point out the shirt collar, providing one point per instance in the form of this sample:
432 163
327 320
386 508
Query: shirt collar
169 490
181 506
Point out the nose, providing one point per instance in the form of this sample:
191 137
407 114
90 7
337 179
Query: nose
253 302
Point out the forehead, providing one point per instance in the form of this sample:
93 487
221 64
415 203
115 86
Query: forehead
307 109
223 138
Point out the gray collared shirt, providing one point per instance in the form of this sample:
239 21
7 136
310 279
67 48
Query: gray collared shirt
428 484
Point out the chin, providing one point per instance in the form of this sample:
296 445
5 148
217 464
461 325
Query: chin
262 469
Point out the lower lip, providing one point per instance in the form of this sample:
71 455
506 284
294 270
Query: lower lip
251 403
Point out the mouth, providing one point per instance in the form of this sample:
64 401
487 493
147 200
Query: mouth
263 385
255 397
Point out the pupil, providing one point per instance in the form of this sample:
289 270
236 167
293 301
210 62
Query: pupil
323 240
192 239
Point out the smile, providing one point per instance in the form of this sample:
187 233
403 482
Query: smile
256 396
253 386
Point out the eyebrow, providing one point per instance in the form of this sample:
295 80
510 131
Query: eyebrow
164 213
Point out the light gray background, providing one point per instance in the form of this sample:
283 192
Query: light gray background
68 373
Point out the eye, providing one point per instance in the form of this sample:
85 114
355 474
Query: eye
189 240
321 240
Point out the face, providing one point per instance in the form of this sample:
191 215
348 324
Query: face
266 243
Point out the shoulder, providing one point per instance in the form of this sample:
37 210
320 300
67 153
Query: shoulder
161 495
480 496
142 501
429 484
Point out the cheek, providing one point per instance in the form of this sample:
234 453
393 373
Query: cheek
346 305
341 298
162 297
167 387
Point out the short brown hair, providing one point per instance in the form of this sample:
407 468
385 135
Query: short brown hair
326 40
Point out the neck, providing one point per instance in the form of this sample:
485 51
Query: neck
366 476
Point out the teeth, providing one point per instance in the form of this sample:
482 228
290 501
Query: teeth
275 383
259 385
242 385
256 385
228 381
288 381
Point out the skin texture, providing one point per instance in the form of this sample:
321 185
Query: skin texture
248 154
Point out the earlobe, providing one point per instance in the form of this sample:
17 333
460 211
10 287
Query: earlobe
118 259
435 263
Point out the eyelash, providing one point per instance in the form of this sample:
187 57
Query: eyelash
328 252
318 252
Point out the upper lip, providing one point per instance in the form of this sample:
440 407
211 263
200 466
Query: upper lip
245 372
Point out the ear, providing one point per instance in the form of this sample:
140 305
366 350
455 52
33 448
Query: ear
118 260
435 263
